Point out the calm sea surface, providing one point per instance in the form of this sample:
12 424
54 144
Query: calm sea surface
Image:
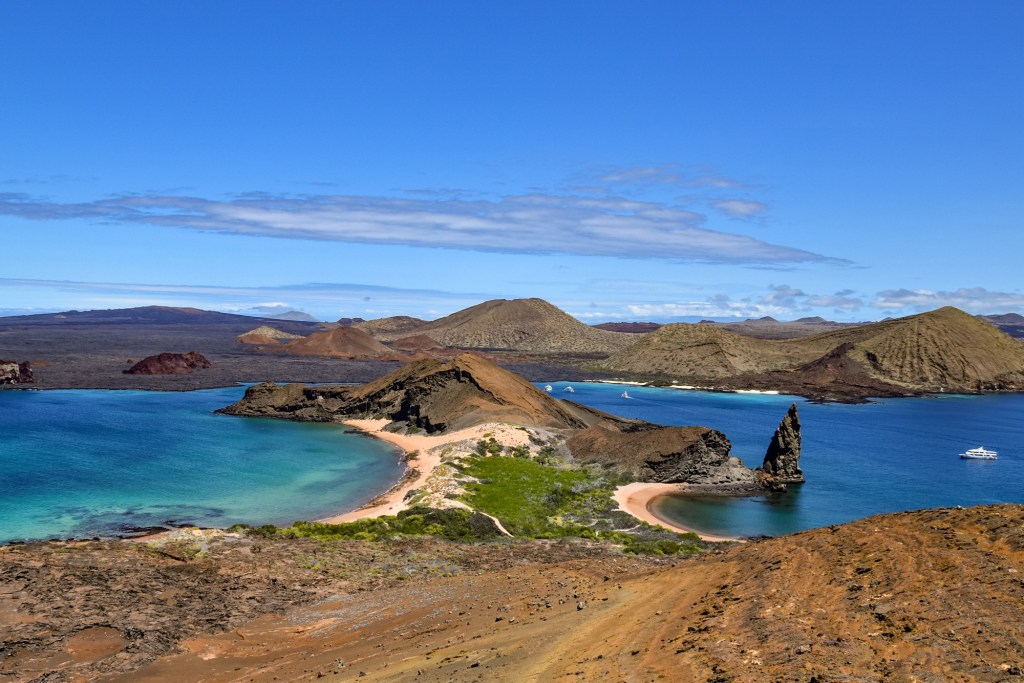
87 463
859 460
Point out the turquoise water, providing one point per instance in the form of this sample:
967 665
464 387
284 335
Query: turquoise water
859 460
93 463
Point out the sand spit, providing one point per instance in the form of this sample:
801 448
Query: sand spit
426 453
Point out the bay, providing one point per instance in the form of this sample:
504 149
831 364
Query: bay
84 463
886 456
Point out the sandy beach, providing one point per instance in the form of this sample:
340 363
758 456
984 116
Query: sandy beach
427 459
636 499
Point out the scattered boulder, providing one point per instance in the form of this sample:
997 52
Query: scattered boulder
782 461
13 372
169 364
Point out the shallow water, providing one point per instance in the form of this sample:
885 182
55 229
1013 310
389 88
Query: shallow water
82 463
859 460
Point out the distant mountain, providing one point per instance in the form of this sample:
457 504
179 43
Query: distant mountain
944 350
144 315
770 328
1010 323
526 325
631 328
350 322
299 316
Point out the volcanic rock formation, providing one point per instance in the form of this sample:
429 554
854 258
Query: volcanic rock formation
690 455
782 460
264 334
437 396
169 364
13 372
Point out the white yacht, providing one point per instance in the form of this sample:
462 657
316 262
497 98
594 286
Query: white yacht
979 453
625 394
548 388
570 390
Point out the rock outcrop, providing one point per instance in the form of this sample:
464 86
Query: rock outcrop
13 372
782 461
169 364
671 455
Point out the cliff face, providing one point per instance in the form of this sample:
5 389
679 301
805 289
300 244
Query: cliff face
687 455
13 372
169 364
782 461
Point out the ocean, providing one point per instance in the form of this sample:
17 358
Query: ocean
886 456
84 463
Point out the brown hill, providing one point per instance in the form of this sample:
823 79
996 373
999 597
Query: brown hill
264 334
417 342
429 394
526 325
943 350
387 329
169 364
342 342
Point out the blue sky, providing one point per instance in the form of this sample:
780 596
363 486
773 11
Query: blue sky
650 161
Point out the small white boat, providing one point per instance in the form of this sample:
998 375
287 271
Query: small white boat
979 453
570 390
548 388
625 394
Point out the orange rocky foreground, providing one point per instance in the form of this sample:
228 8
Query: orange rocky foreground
936 596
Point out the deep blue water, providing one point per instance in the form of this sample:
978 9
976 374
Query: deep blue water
86 463
859 460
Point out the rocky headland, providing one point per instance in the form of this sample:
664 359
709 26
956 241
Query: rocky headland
436 396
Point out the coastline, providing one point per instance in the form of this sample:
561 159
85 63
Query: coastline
636 499
428 457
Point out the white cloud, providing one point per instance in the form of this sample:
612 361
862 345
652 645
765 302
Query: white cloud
976 300
739 208
537 223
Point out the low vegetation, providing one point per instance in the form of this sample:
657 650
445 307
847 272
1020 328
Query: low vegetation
544 498
535 496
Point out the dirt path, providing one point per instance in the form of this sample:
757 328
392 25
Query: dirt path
928 596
